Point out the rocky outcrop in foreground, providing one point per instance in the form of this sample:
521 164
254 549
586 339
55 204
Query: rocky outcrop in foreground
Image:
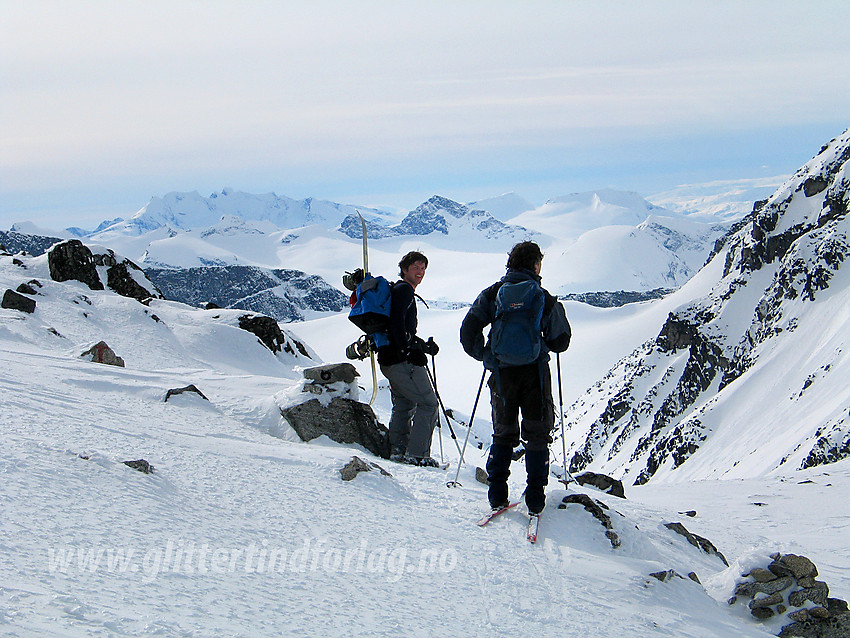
787 586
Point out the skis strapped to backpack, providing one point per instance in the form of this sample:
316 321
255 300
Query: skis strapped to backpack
370 311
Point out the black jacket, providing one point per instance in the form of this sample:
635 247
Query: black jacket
403 324
555 329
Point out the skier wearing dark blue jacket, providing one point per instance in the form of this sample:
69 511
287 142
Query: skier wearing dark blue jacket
518 386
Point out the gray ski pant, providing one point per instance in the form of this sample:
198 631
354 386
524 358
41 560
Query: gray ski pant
415 409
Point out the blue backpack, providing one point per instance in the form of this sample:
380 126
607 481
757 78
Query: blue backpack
370 308
515 338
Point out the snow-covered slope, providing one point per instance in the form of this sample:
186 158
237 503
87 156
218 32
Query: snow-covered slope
244 530
503 207
568 216
748 375
728 199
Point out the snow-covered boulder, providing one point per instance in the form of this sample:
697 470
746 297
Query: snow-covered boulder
342 420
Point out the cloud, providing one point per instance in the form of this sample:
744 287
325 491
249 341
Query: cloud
98 90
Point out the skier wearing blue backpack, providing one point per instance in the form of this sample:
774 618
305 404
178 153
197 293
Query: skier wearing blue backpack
527 323
403 362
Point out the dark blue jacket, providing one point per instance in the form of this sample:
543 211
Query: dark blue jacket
555 329
403 323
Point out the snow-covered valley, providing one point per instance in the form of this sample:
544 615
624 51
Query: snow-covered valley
242 529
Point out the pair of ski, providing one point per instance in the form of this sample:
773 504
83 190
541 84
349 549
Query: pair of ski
533 521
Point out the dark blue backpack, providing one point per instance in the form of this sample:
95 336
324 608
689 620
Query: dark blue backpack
370 308
515 338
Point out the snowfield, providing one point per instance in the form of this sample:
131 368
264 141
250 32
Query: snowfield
244 530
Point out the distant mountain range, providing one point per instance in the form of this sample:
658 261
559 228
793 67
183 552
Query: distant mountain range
610 242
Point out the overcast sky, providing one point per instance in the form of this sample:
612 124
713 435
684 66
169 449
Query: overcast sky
105 104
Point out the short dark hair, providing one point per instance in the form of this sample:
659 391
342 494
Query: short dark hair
409 259
524 255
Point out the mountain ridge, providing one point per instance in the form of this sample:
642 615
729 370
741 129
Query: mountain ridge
777 273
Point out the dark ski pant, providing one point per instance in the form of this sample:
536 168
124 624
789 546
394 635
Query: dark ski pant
526 390
415 409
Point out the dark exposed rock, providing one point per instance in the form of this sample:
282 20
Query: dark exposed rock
665 575
26 289
763 613
761 575
697 541
814 185
332 373
344 421
72 260
817 594
798 566
141 465
595 508
189 388
102 353
16 301
615 299
283 294
269 333
36 245
120 279
603 482
357 465
767 601
773 591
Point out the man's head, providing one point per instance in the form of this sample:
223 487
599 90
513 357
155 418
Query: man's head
525 255
412 267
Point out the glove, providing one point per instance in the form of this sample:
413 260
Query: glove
430 346
417 357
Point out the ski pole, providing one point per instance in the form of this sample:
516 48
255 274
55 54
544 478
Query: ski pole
466 440
433 379
561 405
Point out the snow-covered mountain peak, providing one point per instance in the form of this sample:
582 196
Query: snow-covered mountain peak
759 348
569 216
189 211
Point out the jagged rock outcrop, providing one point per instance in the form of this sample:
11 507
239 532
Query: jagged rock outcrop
663 403
73 260
271 336
602 482
697 541
596 509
